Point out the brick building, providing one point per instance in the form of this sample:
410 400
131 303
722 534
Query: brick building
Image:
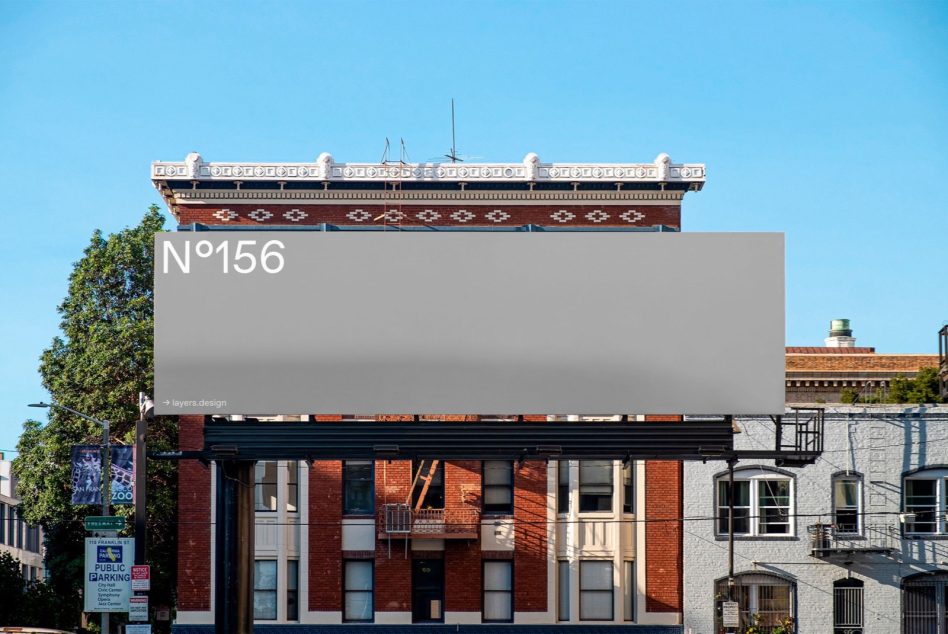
819 374
463 542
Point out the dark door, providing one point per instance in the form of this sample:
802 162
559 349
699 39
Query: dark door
427 591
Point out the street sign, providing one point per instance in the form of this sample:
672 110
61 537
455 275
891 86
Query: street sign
108 573
138 608
105 523
730 614
133 628
141 578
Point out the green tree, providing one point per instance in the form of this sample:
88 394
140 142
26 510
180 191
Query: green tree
98 365
922 389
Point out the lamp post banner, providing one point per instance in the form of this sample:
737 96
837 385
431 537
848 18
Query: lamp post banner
86 474
123 474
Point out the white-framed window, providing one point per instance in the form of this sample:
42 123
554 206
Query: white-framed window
595 590
764 599
595 486
562 486
498 591
924 495
847 503
763 503
562 590
265 589
628 488
292 590
628 590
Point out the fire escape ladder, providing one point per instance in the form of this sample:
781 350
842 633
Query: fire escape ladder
432 470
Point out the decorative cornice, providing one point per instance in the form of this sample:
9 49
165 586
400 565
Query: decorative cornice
199 196
324 169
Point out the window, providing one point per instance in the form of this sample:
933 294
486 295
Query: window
562 486
847 498
292 590
498 486
358 581
292 486
628 492
925 604
847 606
628 590
359 487
433 471
3 523
265 489
19 528
595 591
595 485
498 591
265 589
562 574
766 597
762 503
924 502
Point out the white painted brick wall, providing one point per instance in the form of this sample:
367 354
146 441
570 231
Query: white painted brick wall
881 443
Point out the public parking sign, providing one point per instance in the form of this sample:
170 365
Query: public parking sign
108 573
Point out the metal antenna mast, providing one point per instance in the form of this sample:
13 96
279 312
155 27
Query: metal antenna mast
453 155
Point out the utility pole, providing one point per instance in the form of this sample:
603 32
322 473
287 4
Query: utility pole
106 476
146 409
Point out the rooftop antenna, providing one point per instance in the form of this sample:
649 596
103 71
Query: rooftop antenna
385 152
453 155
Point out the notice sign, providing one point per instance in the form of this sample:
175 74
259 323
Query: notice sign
108 573
138 608
141 578
730 614
138 629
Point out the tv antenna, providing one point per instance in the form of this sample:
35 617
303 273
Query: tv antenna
453 155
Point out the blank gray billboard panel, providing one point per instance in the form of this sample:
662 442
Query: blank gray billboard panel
469 322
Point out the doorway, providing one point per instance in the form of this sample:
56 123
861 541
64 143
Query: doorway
427 591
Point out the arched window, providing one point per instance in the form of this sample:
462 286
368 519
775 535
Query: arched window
765 600
847 503
763 502
924 603
847 606
923 501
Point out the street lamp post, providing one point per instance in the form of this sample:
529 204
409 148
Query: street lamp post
106 475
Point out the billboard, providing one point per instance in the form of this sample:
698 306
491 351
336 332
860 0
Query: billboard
469 322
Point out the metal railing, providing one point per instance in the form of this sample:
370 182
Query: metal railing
878 538
400 519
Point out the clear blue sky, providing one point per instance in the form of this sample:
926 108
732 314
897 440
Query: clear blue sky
828 121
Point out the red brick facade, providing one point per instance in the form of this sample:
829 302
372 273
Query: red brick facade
531 552
663 532
325 535
194 529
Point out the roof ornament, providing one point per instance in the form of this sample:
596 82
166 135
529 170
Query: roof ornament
325 165
193 162
531 165
662 161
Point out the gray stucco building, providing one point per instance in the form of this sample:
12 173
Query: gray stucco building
855 544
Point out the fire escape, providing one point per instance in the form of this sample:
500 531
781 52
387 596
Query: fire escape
423 515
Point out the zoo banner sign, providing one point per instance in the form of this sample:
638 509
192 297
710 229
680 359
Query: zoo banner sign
108 573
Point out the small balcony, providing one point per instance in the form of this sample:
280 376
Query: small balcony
826 542
400 521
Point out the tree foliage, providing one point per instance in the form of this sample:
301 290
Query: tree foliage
98 365
32 603
921 389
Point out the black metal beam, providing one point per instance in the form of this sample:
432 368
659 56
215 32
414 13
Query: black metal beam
354 440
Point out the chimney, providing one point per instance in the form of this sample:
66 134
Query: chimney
840 335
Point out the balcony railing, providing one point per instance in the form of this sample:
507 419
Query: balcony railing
401 521
826 540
